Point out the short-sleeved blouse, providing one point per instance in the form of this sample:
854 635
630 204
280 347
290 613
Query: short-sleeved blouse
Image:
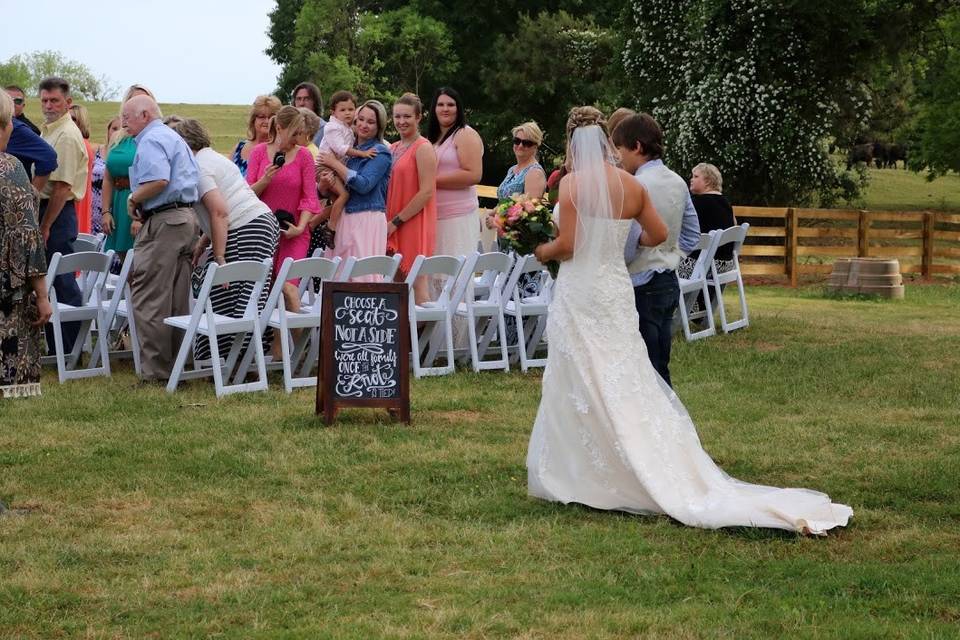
513 182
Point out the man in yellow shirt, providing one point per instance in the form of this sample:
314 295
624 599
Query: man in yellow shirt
68 183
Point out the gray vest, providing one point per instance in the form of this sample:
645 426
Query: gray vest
669 194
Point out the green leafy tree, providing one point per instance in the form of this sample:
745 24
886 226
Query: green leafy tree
757 86
936 136
29 69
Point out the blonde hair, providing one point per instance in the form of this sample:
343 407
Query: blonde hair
411 100
270 102
711 176
311 122
109 124
288 118
381 113
530 129
6 109
585 117
79 114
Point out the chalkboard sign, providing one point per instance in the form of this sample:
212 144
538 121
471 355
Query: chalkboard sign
364 350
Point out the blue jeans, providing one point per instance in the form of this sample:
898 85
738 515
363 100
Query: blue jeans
656 303
62 234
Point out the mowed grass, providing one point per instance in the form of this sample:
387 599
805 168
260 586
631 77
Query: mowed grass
141 514
889 189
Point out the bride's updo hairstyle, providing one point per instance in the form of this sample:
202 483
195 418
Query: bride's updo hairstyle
585 117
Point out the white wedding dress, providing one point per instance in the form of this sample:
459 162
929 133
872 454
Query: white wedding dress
611 434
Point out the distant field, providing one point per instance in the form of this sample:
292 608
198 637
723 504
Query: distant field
891 189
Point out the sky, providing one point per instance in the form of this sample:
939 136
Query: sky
189 51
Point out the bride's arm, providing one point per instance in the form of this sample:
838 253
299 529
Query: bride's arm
561 247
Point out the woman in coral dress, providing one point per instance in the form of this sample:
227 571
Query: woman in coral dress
412 192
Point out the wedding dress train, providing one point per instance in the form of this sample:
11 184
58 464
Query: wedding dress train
610 434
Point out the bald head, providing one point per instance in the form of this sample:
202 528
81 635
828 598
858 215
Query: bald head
138 112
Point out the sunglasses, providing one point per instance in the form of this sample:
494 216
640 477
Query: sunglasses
18 101
524 143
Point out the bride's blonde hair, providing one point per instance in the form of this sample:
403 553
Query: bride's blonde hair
585 117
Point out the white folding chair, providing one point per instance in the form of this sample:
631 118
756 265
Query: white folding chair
482 306
118 312
385 266
530 312
432 315
734 235
88 242
93 268
306 348
696 286
203 321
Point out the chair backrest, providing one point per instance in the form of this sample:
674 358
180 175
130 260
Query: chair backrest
242 271
708 248
121 285
85 244
93 267
450 266
494 269
385 266
736 235
524 264
310 269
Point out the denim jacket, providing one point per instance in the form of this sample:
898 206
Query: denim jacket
367 179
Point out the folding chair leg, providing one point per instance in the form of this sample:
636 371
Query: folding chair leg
134 341
415 346
58 349
181 360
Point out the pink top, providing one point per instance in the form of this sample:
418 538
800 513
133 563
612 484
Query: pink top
293 189
452 203
337 138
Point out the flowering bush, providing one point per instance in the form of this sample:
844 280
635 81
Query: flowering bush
524 223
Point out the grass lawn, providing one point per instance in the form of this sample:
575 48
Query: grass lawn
139 514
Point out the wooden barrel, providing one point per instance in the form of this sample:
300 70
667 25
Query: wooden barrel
867 276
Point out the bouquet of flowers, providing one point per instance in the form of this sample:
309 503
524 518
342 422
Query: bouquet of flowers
523 223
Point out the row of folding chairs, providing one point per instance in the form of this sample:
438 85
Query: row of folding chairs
707 279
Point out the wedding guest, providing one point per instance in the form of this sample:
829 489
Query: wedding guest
24 307
308 96
163 182
66 185
639 140
281 173
617 117
37 157
459 168
115 220
78 114
411 193
97 173
311 125
19 103
258 129
236 224
363 226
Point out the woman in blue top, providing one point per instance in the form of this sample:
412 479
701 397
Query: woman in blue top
362 231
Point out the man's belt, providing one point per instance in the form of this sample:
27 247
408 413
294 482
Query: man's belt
165 207
121 183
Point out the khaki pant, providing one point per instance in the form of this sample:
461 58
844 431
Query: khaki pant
160 286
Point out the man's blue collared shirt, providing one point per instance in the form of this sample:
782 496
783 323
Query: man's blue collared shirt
367 179
689 232
30 149
163 155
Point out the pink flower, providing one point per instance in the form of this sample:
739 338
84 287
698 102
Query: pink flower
529 206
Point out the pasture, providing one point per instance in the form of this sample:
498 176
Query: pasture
134 513
890 189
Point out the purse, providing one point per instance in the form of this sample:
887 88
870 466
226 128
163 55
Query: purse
284 218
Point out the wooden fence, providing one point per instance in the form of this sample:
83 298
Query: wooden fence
792 242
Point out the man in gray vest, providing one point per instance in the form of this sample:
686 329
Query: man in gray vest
639 140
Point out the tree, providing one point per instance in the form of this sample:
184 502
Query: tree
936 145
757 86
29 69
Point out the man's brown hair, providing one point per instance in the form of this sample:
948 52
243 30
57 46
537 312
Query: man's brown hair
640 129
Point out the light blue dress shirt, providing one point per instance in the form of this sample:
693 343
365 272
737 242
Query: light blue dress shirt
163 155
687 241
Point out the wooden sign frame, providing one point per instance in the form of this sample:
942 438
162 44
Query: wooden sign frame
328 403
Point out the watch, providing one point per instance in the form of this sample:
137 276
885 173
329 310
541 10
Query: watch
397 221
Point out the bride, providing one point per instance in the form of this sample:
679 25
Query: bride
609 432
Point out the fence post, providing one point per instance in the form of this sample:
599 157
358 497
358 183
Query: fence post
929 225
863 235
790 242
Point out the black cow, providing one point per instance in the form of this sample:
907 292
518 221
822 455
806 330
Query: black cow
860 153
896 152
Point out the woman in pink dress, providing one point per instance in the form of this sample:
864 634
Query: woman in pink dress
282 174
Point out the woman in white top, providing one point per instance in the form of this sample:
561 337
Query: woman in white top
236 223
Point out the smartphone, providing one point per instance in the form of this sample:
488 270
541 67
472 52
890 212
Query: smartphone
279 158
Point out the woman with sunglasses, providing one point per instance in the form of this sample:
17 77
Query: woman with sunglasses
527 176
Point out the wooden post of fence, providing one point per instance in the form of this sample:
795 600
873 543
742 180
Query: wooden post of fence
863 235
929 225
790 242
